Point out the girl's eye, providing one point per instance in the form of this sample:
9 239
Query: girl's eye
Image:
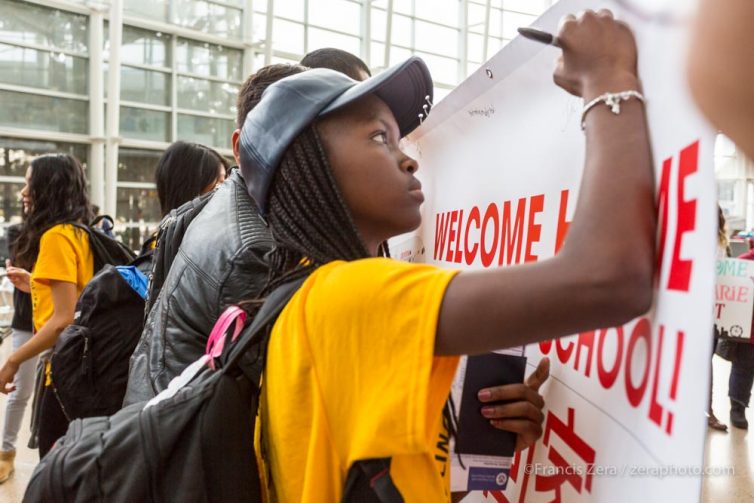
380 137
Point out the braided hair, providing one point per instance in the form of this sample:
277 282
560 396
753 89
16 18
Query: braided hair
308 217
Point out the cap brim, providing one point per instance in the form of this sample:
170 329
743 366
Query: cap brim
406 89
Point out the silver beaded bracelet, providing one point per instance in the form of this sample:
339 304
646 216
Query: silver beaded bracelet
612 100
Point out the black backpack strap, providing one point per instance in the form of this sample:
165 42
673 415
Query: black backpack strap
100 218
98 250
119 254
265 317
141 258
369 481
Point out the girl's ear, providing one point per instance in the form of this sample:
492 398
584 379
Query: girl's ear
235 143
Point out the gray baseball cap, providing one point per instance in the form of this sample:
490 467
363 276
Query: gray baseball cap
289 105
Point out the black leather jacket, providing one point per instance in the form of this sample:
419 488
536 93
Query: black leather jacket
220 262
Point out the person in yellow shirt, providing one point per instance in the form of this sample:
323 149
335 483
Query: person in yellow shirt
360 361
61 264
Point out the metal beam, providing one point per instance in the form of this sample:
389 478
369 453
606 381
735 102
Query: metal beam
502 38
413 26
96 109
463 39
113 108
486 30
247 32
306 28
388 34
143 106
13 179
42 135
136 185
42 48
193 35
268 34
76 8
366 31
200 76
173 88
208 115
38 91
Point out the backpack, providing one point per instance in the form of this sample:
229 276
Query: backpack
105 249
193 442
89 364
169 238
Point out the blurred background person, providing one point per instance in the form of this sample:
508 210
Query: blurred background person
338 60
21 332
187 170
723 251
741 356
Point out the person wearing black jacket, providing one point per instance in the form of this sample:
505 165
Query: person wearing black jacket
24 381
220 260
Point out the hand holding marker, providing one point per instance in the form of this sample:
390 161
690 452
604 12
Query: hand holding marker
539 36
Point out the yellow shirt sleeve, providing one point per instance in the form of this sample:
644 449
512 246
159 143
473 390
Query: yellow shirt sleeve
372 326
64 255
58 257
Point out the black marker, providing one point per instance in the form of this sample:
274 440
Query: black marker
539 36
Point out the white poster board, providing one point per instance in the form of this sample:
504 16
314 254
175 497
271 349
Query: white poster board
734 298
502 155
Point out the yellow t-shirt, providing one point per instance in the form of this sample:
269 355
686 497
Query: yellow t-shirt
64 255
350 375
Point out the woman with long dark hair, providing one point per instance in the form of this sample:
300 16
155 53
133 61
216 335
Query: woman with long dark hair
185 171
61 264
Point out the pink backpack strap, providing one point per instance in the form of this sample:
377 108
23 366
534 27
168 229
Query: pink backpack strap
216 341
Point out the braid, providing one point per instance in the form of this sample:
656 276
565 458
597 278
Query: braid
308 216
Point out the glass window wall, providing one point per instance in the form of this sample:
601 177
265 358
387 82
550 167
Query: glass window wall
15 158
182 64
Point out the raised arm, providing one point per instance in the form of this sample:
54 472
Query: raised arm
603 273
721 68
